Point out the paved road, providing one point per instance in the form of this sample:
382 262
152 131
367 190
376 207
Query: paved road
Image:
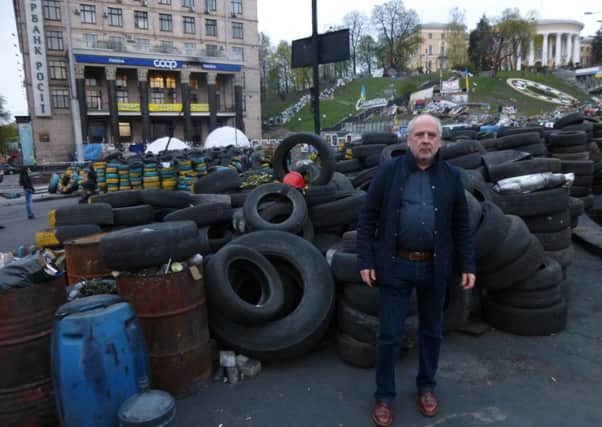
20 230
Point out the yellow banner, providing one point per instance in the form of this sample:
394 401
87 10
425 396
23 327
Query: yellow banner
128 107
199 108
165 108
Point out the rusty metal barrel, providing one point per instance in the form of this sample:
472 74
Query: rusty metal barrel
26 322
83 260
172 311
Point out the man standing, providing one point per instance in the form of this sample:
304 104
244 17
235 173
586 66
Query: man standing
413 229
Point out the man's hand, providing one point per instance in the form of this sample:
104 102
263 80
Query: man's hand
468 280
368 276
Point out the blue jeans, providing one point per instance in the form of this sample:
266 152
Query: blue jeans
28 195
393 308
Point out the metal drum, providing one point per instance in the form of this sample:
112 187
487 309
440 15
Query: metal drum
173 315
83 260
26 321
98 359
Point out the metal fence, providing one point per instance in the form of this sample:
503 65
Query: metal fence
361 127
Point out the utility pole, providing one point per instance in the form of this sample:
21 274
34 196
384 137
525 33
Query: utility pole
75 113
316 53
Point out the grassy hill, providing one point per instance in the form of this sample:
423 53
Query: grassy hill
494 91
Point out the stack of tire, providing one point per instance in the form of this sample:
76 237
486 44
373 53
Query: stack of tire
112 177
357 308
510 260
135 174
124 178
101 177
465 154
185 174
150 176
584 179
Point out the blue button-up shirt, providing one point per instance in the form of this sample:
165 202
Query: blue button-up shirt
417 217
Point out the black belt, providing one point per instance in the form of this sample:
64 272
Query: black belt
414 255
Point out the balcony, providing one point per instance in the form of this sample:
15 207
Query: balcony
132 46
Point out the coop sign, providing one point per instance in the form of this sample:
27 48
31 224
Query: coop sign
541 92
37 53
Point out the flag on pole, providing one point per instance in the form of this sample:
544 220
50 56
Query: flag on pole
467 81
363 93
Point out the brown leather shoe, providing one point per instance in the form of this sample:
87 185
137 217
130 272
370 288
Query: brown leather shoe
382 414
427 402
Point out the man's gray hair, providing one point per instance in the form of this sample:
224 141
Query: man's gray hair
437 121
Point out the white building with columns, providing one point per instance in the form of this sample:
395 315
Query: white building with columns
556 44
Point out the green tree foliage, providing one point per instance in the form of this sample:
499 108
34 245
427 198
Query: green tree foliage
479 46
511 37
265 51
597 48
366 53
455 37
8 131
398 31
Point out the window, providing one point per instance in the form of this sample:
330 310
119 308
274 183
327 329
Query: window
188 3
165 22
88 13
164 1
211 50
116 43
238 53
122 96
189 25
211 5
141 19
211 27
90 40
93 99
237 30
442 50
52 10
60 98
166 46
115 17
430 49
157 97
189 48
237 7
156 82
57 70
125 128
170 82
121 80
194 84
194 97
143 44
54 40
430 36
91 81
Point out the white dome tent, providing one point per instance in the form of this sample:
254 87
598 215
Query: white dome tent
226 135
158 145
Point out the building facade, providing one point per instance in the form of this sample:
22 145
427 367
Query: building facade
556 44
140 68
586 51
431 54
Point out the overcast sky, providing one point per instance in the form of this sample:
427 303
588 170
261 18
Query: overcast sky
291 19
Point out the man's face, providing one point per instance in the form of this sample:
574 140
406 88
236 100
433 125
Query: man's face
424 141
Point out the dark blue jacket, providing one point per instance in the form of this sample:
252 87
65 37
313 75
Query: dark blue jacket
378 224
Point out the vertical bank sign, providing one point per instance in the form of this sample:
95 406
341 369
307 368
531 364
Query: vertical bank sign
37 57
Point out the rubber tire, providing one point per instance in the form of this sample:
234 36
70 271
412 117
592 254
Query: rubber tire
537 203
339 212
387 138
564 257
578 167
166 198
523 167
514 244
549 273
218 181
293 224
344 267
224 297
555 241
541 298
459 149
203 215
550 223
526 322
491 231
468 161
392 151
298 332
354 352
569 119
327 159
119 199
133 215
356 324
99 214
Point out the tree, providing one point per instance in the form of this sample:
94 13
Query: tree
356 22
479 45
8 131
265 51
282 60
455 37
366 53
597 48
511 36
398 31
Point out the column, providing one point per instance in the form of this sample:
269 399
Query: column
544 51
569 48
531 60
143 90
577 50
238 104
80 88
212 94
558 49
110 73
185 82
519 59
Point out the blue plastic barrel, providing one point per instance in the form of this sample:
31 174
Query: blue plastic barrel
98 357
